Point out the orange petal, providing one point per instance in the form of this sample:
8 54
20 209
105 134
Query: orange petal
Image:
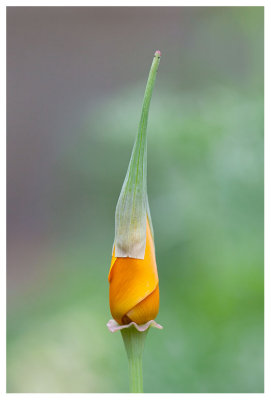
132 280
113 259
146 310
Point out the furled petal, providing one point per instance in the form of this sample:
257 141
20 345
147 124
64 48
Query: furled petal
145 309
133 281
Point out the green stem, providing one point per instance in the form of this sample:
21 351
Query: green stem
134 344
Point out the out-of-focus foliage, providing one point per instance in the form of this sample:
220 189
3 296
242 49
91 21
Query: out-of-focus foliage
205 185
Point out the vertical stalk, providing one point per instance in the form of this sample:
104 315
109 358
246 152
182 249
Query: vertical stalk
134 344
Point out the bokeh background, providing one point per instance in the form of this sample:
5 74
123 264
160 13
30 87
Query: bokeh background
75 84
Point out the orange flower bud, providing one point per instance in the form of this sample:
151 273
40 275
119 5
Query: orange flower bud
134 289
133 278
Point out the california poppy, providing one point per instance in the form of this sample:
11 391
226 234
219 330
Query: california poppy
133 277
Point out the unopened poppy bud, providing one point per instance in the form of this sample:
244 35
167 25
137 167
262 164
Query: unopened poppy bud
133 277
134 289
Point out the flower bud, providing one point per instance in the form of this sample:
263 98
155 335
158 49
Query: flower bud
134 289
133 278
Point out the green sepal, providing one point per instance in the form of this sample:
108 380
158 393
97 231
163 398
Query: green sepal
132 208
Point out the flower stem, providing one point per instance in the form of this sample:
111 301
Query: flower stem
134 344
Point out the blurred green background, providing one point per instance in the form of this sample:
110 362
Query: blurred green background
75 81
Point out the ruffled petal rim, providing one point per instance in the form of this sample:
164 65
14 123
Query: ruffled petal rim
113 326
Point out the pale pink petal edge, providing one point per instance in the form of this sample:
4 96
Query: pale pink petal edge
113 326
